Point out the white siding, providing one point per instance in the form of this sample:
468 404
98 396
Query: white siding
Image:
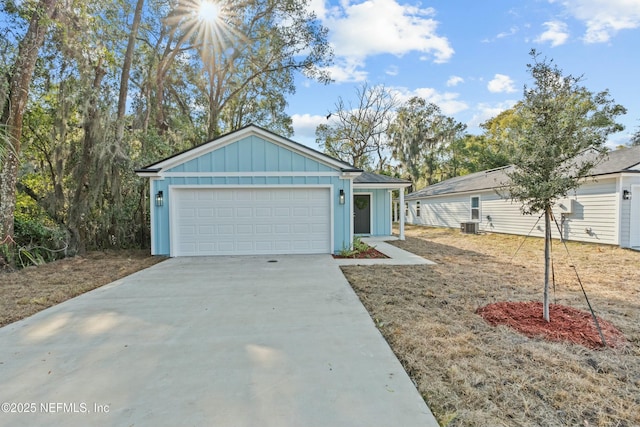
594 217
634 228
447 211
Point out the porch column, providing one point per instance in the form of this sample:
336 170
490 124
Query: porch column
401 212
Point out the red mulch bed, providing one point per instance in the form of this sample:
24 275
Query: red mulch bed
566 323
369 253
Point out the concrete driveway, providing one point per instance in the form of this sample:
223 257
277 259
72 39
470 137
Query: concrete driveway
224 341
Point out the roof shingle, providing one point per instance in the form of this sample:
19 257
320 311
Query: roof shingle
622 160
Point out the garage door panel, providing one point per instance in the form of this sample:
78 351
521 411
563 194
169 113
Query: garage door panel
244 212
187 213
225 247
263 212
264 229
244 196
282 212
206 230
263 196
204 195
318 212
282 228
224 212
251 221
204 213
225 229
223 196
244 229
301 211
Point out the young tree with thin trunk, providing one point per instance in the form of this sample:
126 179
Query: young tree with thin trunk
559 138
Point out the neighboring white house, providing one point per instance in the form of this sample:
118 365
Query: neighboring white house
604 209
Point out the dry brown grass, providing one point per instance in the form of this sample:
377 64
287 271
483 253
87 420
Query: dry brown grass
27 291
473 374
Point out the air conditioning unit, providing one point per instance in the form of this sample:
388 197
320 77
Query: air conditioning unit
565 206
469 227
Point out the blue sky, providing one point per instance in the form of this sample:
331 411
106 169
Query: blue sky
469 57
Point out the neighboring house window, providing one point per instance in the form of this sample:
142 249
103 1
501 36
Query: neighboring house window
418 208
406 208
475 208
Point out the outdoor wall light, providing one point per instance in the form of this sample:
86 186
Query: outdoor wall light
626 195
159 198
341 197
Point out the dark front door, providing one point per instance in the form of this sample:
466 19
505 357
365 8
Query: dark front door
362 214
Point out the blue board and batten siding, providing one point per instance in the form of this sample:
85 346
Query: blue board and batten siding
380 210
252 162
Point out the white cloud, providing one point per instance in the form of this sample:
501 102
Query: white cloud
557 33
392 70
512 31
604 18
375 27
484 112
501 84
447 101
454 81
346 70
304 128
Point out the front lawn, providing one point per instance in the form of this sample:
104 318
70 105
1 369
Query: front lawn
474 374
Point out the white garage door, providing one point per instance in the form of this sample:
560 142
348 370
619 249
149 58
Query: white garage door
250 221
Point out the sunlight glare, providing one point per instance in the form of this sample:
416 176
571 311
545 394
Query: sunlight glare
208 11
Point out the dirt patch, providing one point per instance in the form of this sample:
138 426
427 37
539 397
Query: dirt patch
474 374
25 292
565 323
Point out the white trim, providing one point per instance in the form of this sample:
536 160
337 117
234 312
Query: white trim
370 210
147 174
380 186
634 208
244 174
351 234
223 186
390 192
152 214
241 134
402 218
172 213
479 219
350 174
618 211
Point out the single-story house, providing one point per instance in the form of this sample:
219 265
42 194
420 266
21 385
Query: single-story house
604 209
253 192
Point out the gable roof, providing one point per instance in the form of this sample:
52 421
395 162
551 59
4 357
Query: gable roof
621 160
618 161
184 156
485 180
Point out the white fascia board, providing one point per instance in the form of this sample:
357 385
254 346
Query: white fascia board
148 173
381 186
244 174
350 174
